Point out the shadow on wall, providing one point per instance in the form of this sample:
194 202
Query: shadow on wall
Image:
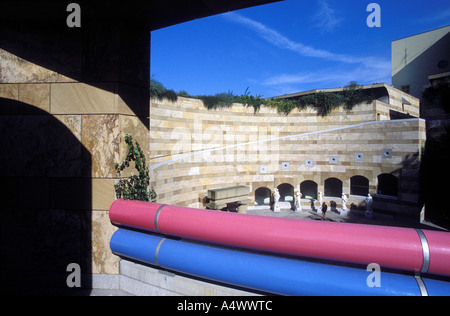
434 179
99 53
426 60
45 194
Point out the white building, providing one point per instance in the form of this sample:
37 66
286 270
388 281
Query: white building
419 58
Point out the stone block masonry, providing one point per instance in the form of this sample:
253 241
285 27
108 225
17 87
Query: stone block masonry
231 196
194 150
67 99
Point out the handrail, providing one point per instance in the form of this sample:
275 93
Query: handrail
266 273
419 251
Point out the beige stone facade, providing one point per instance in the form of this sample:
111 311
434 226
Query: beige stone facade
193 149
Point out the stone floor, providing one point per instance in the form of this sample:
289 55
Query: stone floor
352 217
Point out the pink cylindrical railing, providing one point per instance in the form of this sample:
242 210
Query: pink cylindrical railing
393 247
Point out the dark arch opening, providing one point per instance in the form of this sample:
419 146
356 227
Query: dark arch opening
333 187
286 192
262 196
308 189
359 185
387 184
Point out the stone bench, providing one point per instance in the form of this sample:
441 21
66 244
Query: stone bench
221 198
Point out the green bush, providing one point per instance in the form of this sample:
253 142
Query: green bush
159 92
220 100
323 102
136 186
250 100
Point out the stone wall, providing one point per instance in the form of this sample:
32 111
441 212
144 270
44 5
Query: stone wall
193 149
67 99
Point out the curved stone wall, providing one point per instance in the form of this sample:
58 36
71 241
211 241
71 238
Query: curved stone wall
194 149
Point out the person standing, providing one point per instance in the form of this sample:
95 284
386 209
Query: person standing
324 210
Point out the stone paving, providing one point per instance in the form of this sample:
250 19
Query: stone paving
354 216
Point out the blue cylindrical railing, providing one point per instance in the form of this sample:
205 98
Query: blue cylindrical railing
267 273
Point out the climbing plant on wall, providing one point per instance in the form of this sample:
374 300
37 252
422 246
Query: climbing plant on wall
322 102
136 187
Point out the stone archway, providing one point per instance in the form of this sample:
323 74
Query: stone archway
262 196
333 187
308 189
387 184
46 191
286 192
359 185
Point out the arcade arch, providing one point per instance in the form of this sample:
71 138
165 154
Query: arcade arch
262 196
286 191
333 187
359 185
308 189
387 184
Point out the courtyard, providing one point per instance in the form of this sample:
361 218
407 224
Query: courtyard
353 216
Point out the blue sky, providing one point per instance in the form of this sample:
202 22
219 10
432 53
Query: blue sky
288 46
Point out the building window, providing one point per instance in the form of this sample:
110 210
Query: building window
406 88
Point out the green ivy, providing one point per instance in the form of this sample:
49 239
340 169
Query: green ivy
226 100
249 100
135 187
159 92
323 102
220 100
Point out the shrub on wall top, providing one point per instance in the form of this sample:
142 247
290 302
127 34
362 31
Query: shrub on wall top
159 92
322 102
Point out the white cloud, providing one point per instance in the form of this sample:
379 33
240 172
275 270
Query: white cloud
363 69
360 74
326 18
279 40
